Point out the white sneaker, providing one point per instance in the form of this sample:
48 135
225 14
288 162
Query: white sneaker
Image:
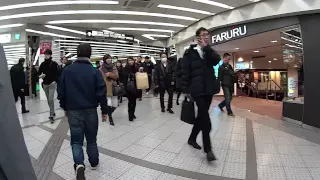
80 172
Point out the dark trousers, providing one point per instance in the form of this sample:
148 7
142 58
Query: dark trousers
34 88
84 123
19 94
132 105
150 82
178 96
202 122
162 92
227 91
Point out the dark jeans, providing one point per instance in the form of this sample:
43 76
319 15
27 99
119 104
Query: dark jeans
132 105
84 123
203 122
178 96
227 91
18 93
150 82
170 92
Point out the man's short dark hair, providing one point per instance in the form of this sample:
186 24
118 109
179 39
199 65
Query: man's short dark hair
198 32
22 60
84 50
226 55
161 53
147 57
48 52
107 56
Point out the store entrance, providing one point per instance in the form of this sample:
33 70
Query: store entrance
268 64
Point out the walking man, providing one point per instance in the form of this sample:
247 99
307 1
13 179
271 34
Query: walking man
198 83
148 67
18 83
227 78
49 72
81 90
164 79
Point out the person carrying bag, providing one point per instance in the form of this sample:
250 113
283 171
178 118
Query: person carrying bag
187 112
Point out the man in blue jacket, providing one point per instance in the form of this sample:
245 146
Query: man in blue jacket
81 89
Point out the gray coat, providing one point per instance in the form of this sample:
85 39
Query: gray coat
15 162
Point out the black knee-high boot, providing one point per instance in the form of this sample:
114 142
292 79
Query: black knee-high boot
110 110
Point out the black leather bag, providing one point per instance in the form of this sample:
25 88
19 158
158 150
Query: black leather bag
187 112
131 86
118 90
216 87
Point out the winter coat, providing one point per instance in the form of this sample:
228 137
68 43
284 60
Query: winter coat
197 75
17 77
178 75
129 74
164 76
111 79
227 75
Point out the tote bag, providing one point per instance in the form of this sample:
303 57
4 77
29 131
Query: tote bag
142 80
188 112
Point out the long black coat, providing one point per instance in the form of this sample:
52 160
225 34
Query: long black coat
198 77
17 77
163 77
129 73
179 74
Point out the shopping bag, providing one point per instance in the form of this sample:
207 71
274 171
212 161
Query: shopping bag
187 111
142 80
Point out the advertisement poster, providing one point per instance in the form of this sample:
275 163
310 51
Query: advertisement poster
45 45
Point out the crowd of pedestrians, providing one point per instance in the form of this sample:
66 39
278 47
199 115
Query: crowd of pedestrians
82 88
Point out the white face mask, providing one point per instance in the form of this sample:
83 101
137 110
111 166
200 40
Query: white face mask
164 60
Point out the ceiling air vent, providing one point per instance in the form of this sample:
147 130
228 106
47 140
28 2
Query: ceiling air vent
137 3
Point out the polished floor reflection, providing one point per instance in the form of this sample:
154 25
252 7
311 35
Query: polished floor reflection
154 146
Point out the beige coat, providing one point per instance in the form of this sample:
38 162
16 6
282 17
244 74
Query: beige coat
110 80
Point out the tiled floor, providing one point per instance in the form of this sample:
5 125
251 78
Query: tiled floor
154 147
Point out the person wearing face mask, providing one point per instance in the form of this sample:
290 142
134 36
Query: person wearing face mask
148 67
110 74
198 83
129 81
49 72
164 79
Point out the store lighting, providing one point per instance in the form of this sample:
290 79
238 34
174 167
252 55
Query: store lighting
240 59
184 9
50 34
151 36
291 40
269 61
115 22
54 3
14 46
211 2
275 59
140 29
256 51
251 62
274 41
65 29
237 48
10 26
102 12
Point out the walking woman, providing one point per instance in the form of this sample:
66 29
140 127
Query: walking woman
120 79
129 79
110 74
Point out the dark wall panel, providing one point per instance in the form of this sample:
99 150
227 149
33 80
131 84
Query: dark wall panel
310 28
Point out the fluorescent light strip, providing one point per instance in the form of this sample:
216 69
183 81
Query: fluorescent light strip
14 49
291 40
65 29
289 45
14 46
54 3
211 2
10 26
151 36
184 9
119 47
140 29
50 34
106 12
115 22
291 35
98 44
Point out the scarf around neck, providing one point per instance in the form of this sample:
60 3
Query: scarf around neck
107 67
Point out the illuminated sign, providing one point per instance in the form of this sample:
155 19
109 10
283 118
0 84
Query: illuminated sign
227 35
243 65
5 38
17 36
109 34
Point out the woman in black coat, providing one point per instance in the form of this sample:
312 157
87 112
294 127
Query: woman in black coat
129 80
120 73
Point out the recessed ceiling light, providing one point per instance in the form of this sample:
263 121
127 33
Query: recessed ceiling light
275 59
50 34
10 26
14 46
251 62
54 3
214 3
274 41
65 29
240 59
115 22
269 61
73 12
140 29
184 9
256 51
237 48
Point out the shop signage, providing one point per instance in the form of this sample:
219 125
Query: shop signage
243 65
292 86
44 46
109 34
227 35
